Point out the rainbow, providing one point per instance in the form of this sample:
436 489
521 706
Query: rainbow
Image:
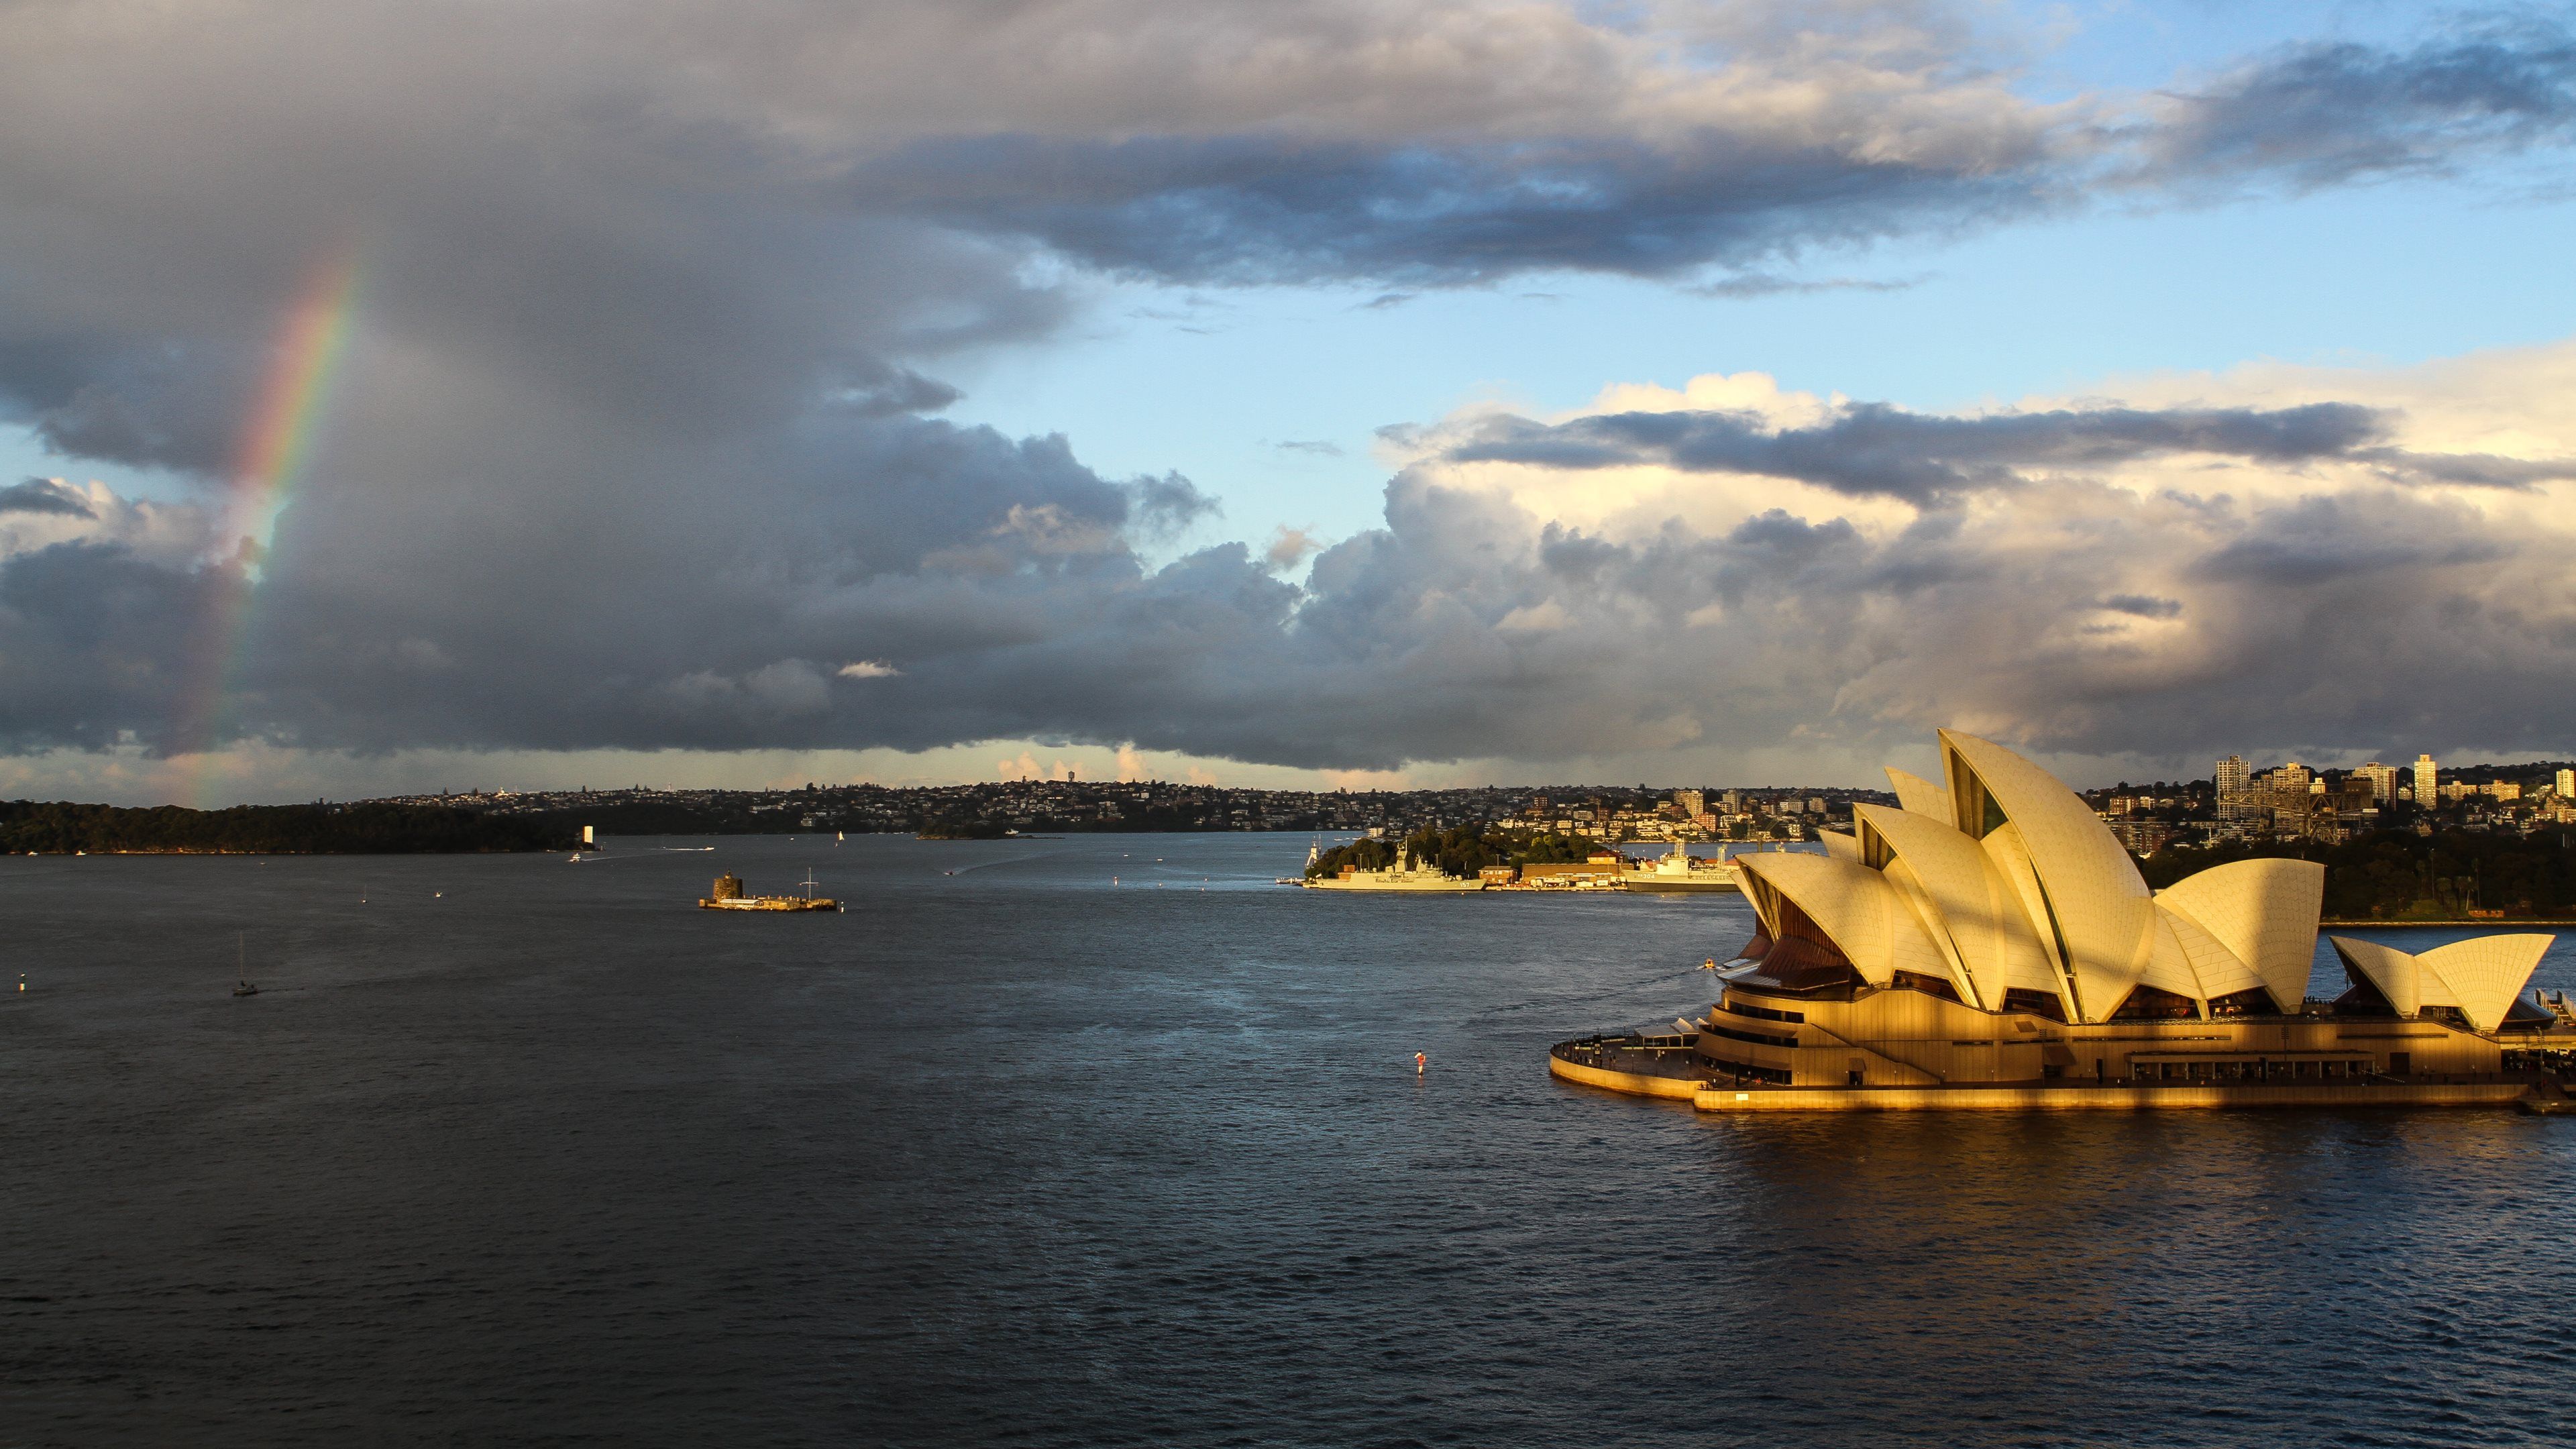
268 464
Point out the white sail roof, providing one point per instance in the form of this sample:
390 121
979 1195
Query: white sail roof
1919 795
2215 970
1978 916
2263 911
1853 905
2485 973
2002 880
2481 976
2092 899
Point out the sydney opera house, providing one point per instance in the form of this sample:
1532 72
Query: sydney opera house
1987 942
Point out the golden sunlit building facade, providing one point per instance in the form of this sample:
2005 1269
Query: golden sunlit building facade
1989 932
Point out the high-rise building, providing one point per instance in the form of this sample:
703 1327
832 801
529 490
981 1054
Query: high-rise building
2235 778
2383 781
2567 784
2283 793
1692 802
2426 778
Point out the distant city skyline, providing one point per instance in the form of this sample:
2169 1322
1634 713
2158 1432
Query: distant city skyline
1291 395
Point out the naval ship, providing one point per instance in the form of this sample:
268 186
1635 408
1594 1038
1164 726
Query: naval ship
1408 872
1680 871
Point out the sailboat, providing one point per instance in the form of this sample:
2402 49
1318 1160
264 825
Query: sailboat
241 967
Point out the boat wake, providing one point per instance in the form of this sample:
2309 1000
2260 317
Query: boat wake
989 864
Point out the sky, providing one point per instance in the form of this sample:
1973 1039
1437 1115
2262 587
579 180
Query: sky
1313 392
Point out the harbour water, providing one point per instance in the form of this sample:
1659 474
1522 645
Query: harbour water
512 1151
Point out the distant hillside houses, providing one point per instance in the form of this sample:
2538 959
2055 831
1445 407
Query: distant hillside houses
1603 813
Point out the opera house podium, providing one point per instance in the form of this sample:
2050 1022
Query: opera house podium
1989 943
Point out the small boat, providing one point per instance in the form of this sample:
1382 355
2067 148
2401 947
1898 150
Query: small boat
241 968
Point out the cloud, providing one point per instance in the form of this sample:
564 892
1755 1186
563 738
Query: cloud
2320 114
1311 447
1290 547
1542 142
1758 284
632 441
2115 577
867 669
44 495
1872 449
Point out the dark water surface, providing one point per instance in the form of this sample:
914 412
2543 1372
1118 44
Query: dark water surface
1016 1156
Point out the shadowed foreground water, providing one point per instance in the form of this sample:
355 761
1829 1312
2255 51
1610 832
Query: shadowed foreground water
1018 1156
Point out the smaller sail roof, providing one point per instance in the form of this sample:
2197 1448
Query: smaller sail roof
1919 795
2214 970
2481 976
1856 907
2394 972
2264 912
2485 973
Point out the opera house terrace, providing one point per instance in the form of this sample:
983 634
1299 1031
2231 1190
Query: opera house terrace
1988 943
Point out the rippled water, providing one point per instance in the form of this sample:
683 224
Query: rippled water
521 1152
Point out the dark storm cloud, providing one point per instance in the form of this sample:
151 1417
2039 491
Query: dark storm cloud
1465 627
1873 449
630 448
2323 540
97 642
